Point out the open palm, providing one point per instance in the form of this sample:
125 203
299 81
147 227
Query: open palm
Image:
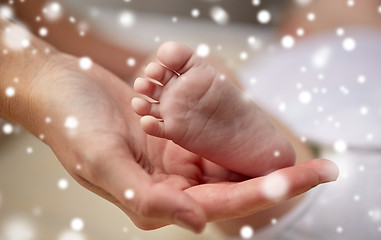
154 181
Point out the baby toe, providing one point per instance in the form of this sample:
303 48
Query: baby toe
177 57
143 107
152 126
159 73
148 88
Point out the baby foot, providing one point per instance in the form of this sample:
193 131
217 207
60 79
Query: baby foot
195 107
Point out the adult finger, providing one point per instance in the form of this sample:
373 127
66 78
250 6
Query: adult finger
144 223
143 199
229 200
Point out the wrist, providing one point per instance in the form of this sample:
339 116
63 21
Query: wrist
21 70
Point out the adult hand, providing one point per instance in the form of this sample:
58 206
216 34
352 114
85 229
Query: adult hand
97 137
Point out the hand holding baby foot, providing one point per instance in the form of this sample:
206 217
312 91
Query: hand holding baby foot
198 109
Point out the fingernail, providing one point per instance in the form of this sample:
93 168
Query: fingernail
328 172
189 221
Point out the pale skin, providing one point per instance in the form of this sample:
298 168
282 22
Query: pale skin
171 185
200 110
172 90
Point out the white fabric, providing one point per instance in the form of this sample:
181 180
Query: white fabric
351 207
278 74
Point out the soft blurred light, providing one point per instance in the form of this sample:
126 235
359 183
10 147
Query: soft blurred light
72 122
288 41
340 146
219 15
203 50
62 184
43 32
16 37
7 128
303 2
77 224
18 228
52 11
127 18
85 63
321 57
305 97
246 232
264 16
71 235
349 44
275 186
6 12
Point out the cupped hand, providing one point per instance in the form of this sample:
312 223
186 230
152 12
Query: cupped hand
97 137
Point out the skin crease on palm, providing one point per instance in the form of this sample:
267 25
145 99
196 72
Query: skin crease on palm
109 153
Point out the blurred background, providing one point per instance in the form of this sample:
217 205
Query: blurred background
312 64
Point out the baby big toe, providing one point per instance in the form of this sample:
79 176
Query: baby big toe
176 56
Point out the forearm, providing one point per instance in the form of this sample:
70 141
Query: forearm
66 37
20 69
